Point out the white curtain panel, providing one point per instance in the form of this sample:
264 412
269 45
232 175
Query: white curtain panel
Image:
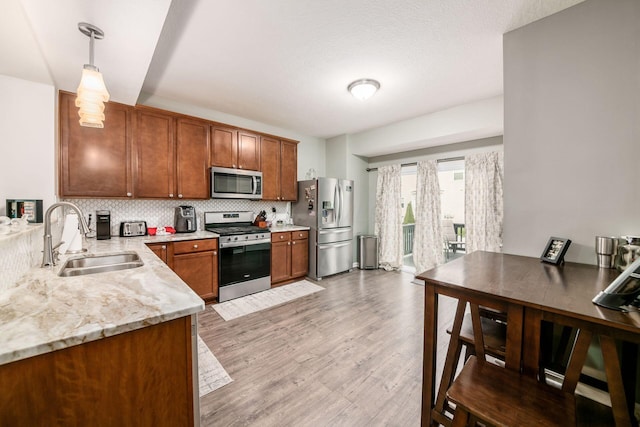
427 243
388 218
484 201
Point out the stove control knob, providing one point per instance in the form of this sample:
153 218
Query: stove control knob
235 238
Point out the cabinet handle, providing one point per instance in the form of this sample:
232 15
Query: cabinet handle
288 243
240 166
215 253
163 247
293 243
233 166
129 194
281 237
195 246
278 198
179 196
170 194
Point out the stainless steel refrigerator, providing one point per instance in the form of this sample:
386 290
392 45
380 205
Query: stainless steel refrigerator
325 205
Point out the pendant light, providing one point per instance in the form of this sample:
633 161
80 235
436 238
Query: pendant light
364 88
92 93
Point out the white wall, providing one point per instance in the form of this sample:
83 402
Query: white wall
27 140
311 150
572 128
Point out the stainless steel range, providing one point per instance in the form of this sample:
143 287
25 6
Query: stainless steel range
244 260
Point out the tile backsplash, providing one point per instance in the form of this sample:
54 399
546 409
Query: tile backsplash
160 212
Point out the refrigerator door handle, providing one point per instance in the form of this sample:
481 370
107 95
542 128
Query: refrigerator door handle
333 245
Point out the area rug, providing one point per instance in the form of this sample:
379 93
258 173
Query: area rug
211 374
239 307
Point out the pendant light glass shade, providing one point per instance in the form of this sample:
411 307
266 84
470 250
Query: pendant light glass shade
364 88
92 94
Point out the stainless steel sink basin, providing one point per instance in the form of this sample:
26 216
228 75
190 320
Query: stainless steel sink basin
92 264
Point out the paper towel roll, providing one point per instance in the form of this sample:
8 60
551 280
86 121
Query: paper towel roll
72 241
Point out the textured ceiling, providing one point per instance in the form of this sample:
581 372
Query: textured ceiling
286 63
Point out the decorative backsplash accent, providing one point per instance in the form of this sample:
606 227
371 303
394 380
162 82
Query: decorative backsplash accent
160 212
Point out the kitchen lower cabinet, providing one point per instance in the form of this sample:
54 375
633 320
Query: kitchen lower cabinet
164 251
95 162
196 262
289 256
142 377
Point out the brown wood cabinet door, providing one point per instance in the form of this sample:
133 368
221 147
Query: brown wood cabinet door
289 171
270 166
280 261
160 249
192 159
154 155
224 147
248 151
95 162
198 270
299 257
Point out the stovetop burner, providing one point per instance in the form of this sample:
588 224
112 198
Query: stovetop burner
235 230
232 223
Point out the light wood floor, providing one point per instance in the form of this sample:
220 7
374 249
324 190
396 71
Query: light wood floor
350 355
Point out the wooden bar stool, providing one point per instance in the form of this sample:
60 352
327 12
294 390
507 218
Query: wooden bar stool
462 336
502 397
506 397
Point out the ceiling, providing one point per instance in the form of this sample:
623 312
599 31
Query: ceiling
285 63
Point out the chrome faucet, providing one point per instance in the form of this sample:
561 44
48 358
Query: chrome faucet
48 251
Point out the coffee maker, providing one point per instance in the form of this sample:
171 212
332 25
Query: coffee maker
185 219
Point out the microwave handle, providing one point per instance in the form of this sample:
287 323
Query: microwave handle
254 184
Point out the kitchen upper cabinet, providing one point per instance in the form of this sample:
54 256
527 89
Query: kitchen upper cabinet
279 165
270 152
289 171
155 155
248 151
171 156
192 159
95 162
232 148
224 147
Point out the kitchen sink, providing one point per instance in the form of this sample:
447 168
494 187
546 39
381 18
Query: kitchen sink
91 264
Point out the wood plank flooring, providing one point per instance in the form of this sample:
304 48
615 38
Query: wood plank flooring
347 356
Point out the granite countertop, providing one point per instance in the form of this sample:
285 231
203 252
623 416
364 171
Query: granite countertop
43 312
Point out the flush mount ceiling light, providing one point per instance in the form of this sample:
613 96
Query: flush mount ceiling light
92 93
364 88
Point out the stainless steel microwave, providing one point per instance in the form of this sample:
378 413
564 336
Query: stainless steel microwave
229 183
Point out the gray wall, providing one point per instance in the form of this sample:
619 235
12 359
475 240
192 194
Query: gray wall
572 128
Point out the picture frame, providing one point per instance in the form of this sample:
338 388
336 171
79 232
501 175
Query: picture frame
555 249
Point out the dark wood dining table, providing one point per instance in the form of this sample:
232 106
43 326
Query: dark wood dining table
533 294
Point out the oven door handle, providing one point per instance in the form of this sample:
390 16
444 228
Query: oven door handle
245 243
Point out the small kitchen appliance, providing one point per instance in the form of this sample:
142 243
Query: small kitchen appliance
133 228
103 225
227 183
244 260
185 219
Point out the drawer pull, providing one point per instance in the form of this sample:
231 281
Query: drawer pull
195 246
163 247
